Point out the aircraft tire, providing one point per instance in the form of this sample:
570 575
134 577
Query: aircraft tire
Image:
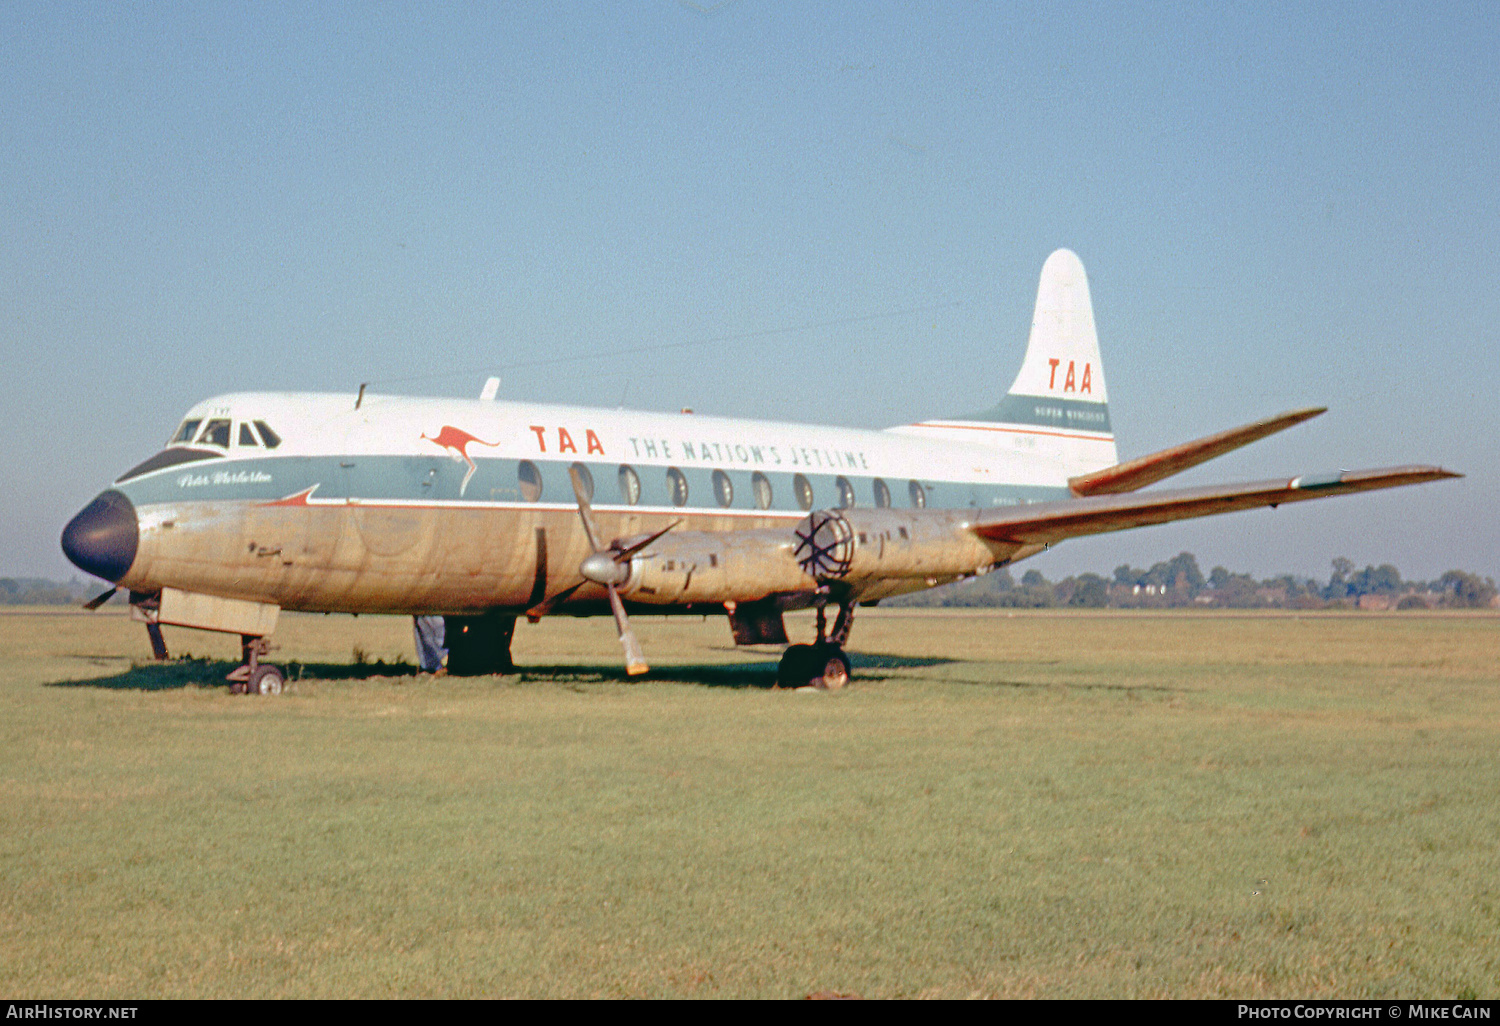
796 667
266 680
830 666
824 666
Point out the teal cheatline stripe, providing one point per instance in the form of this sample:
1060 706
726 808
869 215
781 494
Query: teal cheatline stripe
437 479
1046 412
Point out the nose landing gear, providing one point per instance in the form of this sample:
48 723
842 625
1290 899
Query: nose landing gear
254 677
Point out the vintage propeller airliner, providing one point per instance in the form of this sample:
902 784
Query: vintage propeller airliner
484 511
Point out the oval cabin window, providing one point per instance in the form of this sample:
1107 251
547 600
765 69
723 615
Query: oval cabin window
761 485
723 489
677 486
846 493
630 485
585 479
530 480
803 490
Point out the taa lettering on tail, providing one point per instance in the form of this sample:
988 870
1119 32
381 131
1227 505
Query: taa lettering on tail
1070 382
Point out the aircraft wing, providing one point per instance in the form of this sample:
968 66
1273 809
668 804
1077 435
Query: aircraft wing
1050 522
1137 473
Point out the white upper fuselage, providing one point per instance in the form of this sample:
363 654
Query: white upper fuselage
1002 465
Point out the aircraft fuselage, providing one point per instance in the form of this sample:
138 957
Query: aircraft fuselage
412 505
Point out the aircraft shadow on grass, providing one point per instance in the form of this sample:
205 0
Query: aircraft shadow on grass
868 668
182 673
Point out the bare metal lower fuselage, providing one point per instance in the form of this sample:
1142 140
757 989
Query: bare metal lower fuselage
357 558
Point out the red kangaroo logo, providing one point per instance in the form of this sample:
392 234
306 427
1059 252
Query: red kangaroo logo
457 444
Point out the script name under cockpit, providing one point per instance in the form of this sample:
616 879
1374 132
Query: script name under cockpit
223 477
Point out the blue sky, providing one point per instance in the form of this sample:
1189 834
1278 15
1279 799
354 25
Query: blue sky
1279 205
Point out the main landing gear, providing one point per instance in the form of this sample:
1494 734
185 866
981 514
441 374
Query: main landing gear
822 665
254 677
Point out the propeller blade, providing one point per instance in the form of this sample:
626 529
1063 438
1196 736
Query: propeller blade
99 600
585 511
541 609
635 659
624 554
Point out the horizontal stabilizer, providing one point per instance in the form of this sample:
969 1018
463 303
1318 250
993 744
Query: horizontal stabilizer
1138 473
1051 522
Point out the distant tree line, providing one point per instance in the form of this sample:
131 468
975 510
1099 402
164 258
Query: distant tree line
1173 583
1178 582
37 591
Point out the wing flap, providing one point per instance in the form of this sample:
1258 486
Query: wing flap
1145 470
1050 522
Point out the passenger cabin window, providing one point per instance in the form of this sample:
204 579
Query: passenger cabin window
803 490
846 493
762 487
723 489
586 480
247 435
530 480
215 432
271 438
677 486
882 494
630 485
918 495
186 433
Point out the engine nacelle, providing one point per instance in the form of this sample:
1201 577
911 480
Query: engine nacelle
854 546
858 545
715 566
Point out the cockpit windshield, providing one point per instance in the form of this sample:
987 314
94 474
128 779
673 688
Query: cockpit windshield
218 432
215 432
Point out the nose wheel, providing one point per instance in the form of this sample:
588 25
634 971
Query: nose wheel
254 677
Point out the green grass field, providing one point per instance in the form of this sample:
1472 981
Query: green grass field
1056 805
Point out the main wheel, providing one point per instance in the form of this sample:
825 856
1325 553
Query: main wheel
266 680
830 667
796 667
822 666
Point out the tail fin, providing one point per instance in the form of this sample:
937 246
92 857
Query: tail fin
1062 365
1058 398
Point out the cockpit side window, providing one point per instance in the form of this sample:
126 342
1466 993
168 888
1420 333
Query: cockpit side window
215 432
247 435
186 432
271 438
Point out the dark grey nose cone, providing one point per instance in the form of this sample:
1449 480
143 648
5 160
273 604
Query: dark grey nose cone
102 539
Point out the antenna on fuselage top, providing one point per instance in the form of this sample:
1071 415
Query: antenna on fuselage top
491 389
361 397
